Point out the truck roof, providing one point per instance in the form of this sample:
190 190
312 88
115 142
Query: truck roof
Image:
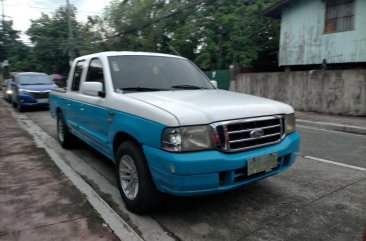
121 53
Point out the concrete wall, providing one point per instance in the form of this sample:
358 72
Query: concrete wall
303 41
335 92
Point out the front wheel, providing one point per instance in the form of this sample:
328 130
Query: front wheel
135 183
19 107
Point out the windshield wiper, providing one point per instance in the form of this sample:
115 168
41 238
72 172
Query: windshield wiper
188 87
141 89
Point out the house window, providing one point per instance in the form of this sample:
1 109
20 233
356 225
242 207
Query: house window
339 15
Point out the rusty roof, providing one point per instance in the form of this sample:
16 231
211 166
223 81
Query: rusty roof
274 10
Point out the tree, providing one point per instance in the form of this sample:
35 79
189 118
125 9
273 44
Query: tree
49 35
213 33
235 31
91 36
12 49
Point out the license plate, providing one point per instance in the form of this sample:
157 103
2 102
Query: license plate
42 100
262 163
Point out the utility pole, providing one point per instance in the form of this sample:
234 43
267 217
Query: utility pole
3 14
5 63
71 38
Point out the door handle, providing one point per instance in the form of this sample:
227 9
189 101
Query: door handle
111 113
82 109
68 104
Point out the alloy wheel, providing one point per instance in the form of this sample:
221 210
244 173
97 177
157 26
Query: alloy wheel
128 177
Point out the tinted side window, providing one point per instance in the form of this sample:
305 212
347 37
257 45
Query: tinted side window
95 72
77 76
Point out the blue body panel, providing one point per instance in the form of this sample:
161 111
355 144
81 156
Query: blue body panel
193 173
26 99
93 126
199 172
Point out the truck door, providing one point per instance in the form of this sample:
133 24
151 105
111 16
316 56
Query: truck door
71 105
94 119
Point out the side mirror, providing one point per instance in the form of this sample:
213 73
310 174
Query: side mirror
214 83
91 88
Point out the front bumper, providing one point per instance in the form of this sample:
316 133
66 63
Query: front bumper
212 171
28 100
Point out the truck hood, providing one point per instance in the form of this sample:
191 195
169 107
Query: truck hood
194 107
37 87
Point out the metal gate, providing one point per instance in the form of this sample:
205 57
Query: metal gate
221 76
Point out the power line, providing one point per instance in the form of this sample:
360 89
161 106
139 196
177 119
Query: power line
51 9
54 9
167 16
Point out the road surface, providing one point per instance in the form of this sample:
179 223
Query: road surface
322 197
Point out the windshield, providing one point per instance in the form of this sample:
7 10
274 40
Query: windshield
152 73
34 80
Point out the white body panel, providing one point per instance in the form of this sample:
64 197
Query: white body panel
195 107
178 107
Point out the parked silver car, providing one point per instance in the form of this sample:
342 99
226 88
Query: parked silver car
7 92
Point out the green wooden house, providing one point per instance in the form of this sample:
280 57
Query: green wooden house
321 31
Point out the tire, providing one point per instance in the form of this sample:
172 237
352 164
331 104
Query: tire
64 136
131 163
19 108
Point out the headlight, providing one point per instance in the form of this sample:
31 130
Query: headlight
9 92
22 91
183 139
290 123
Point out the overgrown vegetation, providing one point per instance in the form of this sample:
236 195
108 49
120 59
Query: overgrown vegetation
212 33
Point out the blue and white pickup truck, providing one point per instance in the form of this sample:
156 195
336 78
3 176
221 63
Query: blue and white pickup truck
168 128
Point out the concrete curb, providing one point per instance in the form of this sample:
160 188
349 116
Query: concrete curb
332 126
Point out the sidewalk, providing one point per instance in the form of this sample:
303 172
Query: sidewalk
37 201
349 124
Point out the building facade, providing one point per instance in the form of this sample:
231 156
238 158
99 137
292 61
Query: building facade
321 31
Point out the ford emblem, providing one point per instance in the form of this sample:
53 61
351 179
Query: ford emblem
256 133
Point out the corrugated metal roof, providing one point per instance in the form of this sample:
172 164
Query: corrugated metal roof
274 11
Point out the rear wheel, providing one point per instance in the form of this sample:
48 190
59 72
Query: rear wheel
64 136
135 183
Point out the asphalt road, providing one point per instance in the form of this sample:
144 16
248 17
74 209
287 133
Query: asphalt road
311 201
335 146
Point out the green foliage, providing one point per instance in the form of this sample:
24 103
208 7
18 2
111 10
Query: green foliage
12 49
213 33
50 37
49 34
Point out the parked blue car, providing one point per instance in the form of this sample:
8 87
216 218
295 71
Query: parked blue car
31 89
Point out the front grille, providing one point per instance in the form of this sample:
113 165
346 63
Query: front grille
39 95
238 135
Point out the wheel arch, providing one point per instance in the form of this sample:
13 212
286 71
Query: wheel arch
121 137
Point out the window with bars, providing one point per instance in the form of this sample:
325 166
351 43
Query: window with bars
339 15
